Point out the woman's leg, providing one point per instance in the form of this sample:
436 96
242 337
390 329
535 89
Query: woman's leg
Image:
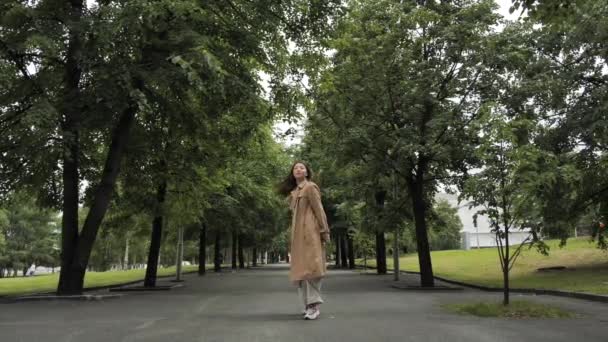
312 288
302 293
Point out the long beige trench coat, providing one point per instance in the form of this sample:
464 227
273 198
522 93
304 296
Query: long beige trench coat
309 230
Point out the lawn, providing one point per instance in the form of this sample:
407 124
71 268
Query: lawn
48 283
586 267
516 309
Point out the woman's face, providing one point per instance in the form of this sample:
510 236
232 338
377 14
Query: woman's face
299 171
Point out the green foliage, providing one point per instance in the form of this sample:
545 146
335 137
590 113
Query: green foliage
122 232
444 230
280 242
403 97
187 71
569 69
376 108
364 245
445 227
396 102
29 234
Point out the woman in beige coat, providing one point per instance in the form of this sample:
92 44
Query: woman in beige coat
309 234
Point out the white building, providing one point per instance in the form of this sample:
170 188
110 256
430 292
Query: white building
480 236
470 240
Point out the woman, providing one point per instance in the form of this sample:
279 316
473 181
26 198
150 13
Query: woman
309 234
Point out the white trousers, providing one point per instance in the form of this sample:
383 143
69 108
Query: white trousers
310 291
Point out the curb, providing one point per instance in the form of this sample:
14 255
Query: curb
577 295
36 298
145 289
105 287
52 296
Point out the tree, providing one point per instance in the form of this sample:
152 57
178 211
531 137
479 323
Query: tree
572 143
502 185
403 88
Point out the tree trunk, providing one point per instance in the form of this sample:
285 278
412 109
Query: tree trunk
422 241
338 258
351 252
235 240
157 229
217 253
343 251
68 283
202 247
70 270
76 250
179 259
240 249
380 197
506 269
125 260
254 257
380 253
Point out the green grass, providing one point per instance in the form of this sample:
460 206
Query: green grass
48 283
587 267
516 309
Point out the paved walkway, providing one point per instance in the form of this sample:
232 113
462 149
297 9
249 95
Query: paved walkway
260 305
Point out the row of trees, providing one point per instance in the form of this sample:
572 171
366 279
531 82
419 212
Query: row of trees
148 111
411 97
241 210
134 117
355 239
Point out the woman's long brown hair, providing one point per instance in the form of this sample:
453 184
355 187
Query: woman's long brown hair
289 183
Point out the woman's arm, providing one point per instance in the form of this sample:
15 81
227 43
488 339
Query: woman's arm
314 198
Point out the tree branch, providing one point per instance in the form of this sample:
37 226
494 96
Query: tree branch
514 256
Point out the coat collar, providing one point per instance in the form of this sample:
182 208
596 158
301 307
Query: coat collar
301 185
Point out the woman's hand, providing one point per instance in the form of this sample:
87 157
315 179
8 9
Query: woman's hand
325 238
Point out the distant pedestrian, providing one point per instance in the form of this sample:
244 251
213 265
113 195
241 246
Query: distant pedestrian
309 234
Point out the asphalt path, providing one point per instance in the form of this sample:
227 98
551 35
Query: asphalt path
261 305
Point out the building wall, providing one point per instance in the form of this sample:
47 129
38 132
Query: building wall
487 239
466 214
481 235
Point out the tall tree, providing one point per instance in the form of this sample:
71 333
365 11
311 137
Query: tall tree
404 85
570 65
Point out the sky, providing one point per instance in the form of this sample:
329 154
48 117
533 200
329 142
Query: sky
280 127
